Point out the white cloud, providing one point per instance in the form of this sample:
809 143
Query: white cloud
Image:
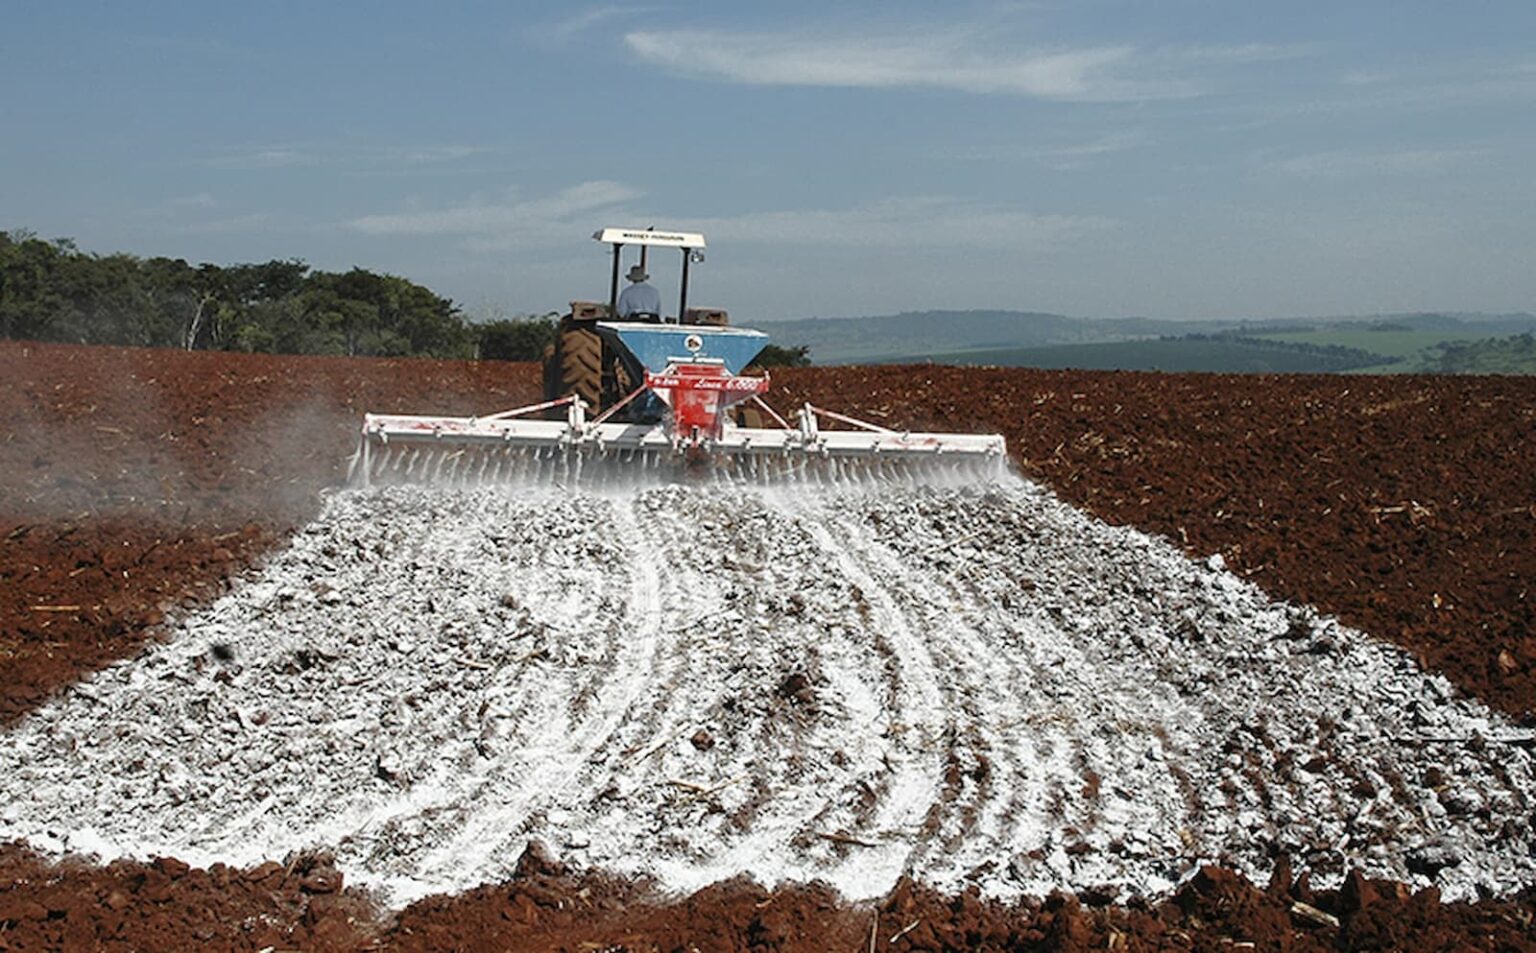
1058 156
554 221
503 223
420 155
357 157
1246 53
1418 88
263 158
564 30
200 200
937 223
248 222
1401 162
950 60
1366 78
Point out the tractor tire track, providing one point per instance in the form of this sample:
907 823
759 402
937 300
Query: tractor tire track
541 782
959 661
976 830
919 706
788 746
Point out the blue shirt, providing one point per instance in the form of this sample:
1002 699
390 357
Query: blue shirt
637 298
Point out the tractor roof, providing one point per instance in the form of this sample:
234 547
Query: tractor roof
649 236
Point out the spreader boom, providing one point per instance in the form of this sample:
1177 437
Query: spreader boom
389 439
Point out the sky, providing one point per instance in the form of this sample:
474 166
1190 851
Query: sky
1175 159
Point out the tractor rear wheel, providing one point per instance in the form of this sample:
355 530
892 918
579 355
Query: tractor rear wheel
580 354
551 372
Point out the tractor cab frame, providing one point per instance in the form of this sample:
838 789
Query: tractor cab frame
690 243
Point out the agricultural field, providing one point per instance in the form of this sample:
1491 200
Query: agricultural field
1389 342
1221 659
1190 354
1412 350
1420 344
1325 351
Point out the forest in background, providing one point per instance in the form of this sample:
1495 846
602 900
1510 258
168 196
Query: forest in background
50 290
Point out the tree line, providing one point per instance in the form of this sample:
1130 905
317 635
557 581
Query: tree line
1512 355
50 290
1332 358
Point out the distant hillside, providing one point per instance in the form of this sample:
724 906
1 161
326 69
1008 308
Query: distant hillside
1459 324
1378 343
884 337
1220 353
920 335
1511 355
1413 344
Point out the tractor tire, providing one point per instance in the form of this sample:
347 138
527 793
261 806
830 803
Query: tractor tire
580 353
551 373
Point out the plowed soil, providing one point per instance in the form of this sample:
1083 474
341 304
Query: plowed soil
134 483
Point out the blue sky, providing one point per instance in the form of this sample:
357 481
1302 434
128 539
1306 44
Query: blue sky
1174 159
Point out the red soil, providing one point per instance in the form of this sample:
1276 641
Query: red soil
297 905
135 482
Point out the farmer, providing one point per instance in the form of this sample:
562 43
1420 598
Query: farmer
640 300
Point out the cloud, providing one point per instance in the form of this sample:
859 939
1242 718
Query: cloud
1418 88
912 222
936 223
421 155
200 200
262 158
948 60
564 30
1401 162
372 158
504 222
248 222
1065 155
1366 78
1247 53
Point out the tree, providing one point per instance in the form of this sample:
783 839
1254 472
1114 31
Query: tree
182 295
106 302
775 356
515 339
30 299
53 291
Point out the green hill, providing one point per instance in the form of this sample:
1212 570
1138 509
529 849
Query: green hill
1399 341
1511 355
1210 353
